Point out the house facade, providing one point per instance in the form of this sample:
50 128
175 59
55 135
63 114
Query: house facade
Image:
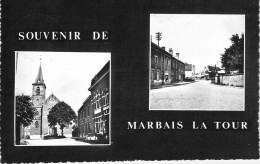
190 71
93 116
165 67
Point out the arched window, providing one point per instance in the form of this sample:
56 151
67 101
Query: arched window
36 124
36 113
38 91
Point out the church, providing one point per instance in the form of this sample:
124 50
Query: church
39 125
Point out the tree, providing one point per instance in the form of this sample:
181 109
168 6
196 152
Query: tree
75 128
24 110
212 70
233 57
61 114
24 113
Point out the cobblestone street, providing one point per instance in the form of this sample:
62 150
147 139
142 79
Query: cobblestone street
55 142
201 95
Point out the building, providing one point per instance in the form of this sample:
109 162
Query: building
165 67
189 71
93 115
40 125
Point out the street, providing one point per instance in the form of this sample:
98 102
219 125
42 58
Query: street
200 95
55 142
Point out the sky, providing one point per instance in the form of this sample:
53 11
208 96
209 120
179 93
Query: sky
67 75
198 38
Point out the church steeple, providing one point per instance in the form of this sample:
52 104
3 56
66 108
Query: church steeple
38 99
39 89
39 78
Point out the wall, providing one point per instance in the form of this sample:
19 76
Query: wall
86 116
101 113
232 80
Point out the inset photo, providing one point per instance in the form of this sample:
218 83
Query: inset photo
197 62
62 98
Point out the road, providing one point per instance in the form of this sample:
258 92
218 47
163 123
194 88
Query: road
55 142
201 95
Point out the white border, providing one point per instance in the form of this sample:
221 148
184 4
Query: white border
110 141
195 109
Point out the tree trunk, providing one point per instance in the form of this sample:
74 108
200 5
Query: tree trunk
62 132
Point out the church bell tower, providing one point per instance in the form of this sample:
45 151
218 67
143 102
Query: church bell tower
38 98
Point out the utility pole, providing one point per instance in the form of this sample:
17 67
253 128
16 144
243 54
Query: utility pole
158 37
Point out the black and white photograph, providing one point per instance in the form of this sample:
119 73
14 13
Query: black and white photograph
62 98
197 62
129 81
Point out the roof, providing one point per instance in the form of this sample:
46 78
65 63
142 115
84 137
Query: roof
159 48
52 97
39 77
100 74
84 103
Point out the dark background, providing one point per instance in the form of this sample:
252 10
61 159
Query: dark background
129 23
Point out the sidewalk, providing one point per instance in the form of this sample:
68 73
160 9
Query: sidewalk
55 142
173 84
90 141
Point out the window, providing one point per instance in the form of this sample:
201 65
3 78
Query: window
158 75
99 105
88 111
38 91
156 59
104 127
36 125
95 103
152 75
166 78
107 98
162 62
89 128
96 127
166 61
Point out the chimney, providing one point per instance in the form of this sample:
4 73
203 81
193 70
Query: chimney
177 55
171 51
163 48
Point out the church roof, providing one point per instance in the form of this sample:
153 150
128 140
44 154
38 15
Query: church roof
52 97
39 78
